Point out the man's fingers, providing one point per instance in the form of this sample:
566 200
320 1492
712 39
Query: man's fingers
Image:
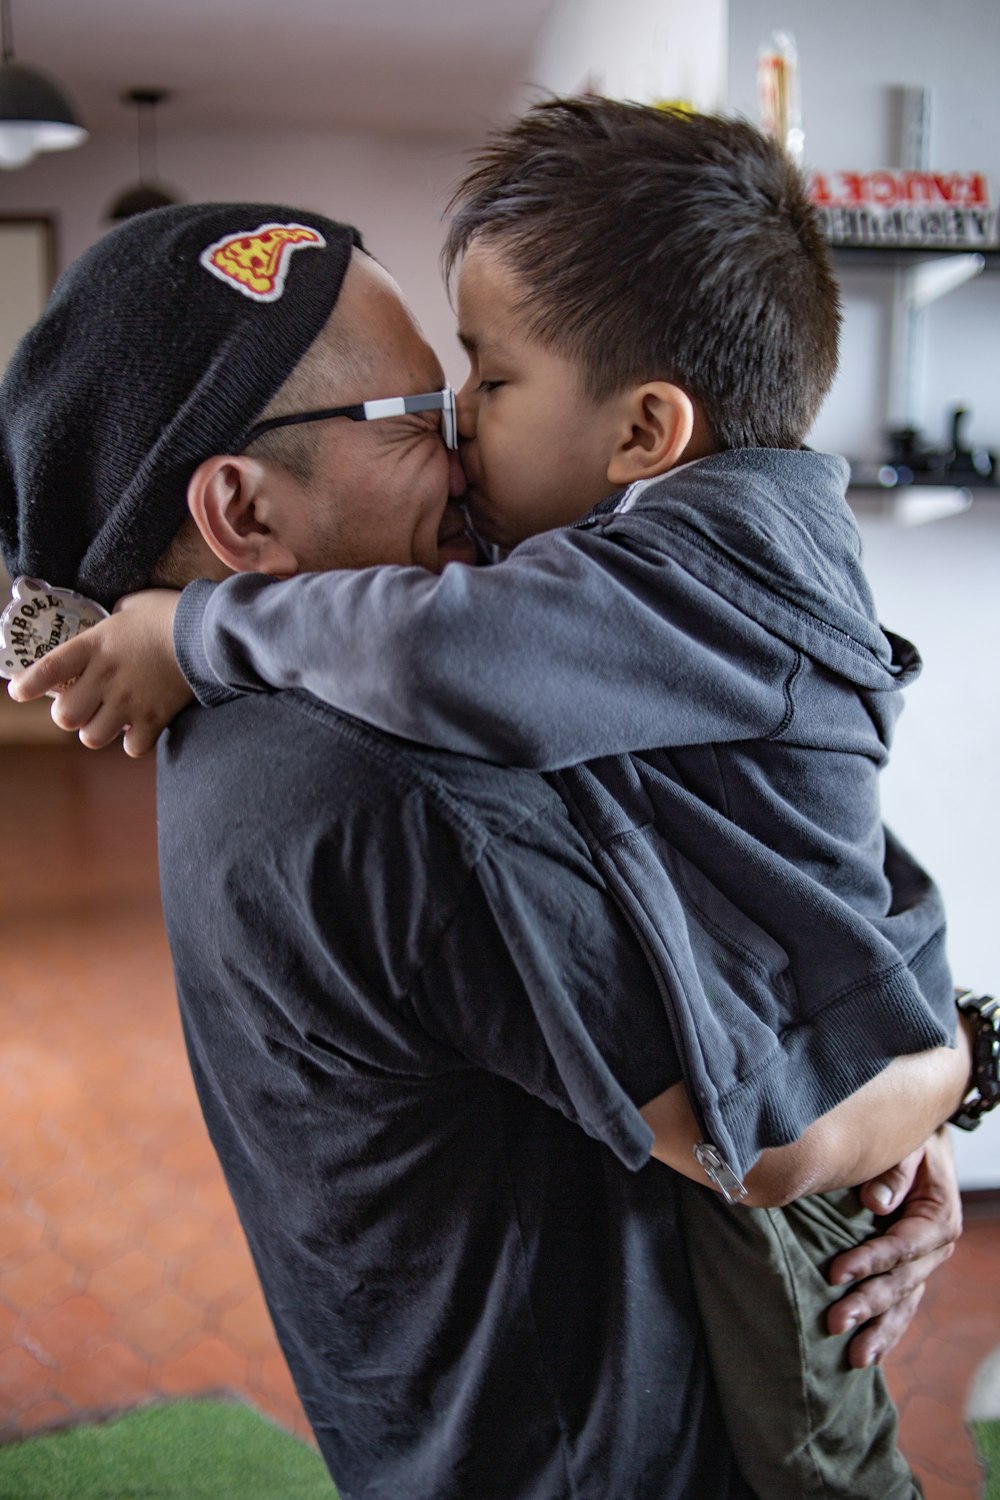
930 1219
56 667
884 1193
877 1294
891 1268
877 1338
908 1242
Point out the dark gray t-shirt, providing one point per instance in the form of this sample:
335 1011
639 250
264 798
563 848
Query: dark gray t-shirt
419 1031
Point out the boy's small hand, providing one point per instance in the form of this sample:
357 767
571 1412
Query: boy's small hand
120 675
891 1269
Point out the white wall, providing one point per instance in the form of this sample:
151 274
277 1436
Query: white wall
394 189
938 584
634 49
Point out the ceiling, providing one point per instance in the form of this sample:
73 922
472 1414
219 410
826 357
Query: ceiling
428 66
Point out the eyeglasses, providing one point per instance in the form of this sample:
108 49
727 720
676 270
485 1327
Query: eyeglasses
374 411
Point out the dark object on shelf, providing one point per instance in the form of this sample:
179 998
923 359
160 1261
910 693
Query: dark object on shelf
976 463
912 461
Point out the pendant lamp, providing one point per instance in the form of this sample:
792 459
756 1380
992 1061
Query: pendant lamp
35 114
147 193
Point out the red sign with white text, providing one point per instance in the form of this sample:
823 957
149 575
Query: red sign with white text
924 209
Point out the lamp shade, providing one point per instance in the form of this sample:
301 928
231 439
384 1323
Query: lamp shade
148 192
35 116
138 200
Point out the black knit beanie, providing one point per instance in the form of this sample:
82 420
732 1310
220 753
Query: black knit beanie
159 347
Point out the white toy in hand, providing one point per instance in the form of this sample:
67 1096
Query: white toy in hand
39 618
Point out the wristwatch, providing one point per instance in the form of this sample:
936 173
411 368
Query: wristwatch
984 1090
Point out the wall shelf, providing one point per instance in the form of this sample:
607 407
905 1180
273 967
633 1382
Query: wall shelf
904 257
910 504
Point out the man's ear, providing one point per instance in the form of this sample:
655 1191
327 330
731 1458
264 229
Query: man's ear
230 502
658 425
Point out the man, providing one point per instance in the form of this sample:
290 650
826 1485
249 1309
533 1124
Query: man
400 976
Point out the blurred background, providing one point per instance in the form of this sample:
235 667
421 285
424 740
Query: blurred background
366 110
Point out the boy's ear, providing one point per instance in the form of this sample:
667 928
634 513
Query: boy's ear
657 428
230 503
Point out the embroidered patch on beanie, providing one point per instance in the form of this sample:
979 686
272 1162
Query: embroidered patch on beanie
256 262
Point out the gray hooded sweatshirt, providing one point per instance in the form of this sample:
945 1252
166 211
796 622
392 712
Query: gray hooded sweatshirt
699 667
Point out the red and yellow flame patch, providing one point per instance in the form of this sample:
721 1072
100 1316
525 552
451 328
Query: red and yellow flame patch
256 263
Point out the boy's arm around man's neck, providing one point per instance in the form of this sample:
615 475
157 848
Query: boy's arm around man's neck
863 1136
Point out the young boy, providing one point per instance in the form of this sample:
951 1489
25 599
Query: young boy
651 324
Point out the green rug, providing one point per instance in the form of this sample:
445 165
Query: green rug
188 1450
210 1450
988 1438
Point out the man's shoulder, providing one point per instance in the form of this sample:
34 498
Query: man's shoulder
290 750
769 533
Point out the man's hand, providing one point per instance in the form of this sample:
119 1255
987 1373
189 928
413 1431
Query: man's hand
891 1269
120 675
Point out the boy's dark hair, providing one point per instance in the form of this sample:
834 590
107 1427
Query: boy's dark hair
657 245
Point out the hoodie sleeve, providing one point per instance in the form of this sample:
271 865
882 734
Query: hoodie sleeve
583 643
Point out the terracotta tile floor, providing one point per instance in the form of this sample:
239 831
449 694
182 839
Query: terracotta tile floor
124 1276
123 1273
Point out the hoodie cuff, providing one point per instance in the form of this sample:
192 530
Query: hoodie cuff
189 645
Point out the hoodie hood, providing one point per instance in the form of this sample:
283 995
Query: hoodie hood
772 531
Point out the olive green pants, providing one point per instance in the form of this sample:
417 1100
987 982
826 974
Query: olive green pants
803 1424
